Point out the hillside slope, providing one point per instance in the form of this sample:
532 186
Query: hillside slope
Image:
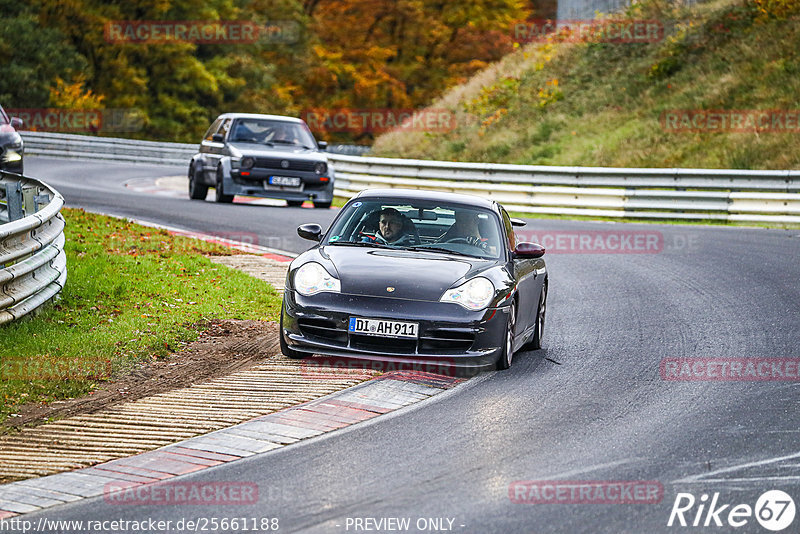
631 104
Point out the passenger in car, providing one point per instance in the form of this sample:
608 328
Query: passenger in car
466 227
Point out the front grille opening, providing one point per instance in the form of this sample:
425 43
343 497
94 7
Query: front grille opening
384 345
322 328
275 163
446 339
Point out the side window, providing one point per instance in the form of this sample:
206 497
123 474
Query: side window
212 130
225 127
512 239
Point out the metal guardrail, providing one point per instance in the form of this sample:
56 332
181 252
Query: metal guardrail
33 265
690 194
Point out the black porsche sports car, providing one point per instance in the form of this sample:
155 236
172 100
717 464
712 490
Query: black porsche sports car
416 276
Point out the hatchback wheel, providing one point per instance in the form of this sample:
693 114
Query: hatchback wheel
220 195
197 190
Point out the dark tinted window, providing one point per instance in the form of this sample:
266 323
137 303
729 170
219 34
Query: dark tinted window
512 238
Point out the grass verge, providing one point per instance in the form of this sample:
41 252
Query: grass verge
133 293
605 103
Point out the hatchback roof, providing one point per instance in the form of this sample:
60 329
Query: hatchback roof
259 116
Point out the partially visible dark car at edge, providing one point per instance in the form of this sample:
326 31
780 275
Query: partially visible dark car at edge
437 298
11 145
267 156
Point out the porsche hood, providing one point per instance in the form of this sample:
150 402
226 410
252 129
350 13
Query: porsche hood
398 273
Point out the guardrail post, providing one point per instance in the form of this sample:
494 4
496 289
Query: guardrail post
14 201
40 201
28 203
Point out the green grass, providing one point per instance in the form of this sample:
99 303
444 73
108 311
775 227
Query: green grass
133 293
599 104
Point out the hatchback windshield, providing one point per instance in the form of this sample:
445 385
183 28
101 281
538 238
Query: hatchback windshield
271 132
436 227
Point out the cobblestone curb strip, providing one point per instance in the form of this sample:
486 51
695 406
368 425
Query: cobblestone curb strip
382 395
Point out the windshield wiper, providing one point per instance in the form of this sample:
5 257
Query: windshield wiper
361 244
283 142
440 249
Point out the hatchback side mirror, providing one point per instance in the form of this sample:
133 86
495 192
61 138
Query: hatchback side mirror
16 123
528 250
311 231
323 145
218 138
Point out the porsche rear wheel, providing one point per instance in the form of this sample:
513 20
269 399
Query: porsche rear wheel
538 334
508 350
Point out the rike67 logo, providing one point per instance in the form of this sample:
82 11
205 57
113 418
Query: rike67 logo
774 510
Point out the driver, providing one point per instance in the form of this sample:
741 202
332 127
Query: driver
467 228
390 229
284 134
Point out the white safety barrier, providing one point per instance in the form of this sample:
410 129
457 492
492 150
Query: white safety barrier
690 194
33 265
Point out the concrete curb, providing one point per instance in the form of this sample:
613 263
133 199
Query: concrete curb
364 401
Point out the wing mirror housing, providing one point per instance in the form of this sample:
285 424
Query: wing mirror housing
310 231
323 145
517 222
218 138
16 123
528 250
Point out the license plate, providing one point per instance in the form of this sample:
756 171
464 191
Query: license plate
284 181
381 327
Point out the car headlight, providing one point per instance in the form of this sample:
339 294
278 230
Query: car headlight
320 168
247 163
474 294
312 278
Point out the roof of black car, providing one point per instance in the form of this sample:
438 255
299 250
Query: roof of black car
419 194
259 116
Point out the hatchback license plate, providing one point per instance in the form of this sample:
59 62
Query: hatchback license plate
381 327
284 181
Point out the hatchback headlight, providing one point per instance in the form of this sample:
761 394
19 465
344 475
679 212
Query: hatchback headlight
312 278
247 163
320 168
474 294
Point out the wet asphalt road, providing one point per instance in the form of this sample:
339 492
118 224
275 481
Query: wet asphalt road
592 405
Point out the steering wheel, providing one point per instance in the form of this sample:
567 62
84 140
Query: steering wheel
459 240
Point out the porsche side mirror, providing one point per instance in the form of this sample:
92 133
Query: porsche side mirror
518 222
311 231
323 145
528 250
16 123
218 138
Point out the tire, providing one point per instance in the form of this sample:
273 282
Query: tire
220 195
508 350
541 312
294 203
286 349
322 205
197 191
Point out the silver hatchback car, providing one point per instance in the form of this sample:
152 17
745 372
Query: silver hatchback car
268 156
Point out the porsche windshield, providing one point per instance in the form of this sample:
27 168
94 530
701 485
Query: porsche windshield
441 228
